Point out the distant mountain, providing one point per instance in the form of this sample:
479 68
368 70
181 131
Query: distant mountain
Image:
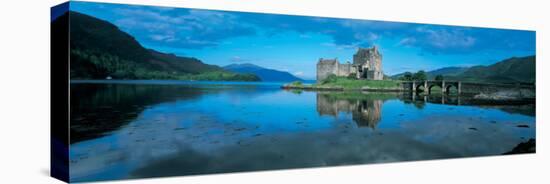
446 71
99 49
264 73
515 69
244 66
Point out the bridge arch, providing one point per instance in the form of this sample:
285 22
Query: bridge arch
419 87
450 86
430 86
427 86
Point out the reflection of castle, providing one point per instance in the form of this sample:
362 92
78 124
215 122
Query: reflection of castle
364 112
367 64
367 113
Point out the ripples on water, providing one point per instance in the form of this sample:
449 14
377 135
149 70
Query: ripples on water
137 129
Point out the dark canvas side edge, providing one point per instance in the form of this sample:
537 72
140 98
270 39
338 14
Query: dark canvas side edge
59 92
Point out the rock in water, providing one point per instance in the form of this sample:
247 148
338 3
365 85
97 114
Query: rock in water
524 147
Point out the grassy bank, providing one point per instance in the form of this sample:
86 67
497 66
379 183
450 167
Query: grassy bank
343 83
353 95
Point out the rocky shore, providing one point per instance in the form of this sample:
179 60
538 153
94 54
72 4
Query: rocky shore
509 97
525 147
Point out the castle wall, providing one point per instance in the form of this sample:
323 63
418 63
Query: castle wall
358 59
375 75
344 70
325 69
374 62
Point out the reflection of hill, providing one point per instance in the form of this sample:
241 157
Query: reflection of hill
364 108
520 107
97 109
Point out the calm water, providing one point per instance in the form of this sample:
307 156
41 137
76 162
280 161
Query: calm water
163 128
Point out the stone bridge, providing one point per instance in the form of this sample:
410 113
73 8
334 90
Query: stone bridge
466 87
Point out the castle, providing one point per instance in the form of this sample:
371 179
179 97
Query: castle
367 64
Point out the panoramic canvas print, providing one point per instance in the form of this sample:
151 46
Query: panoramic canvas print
161 91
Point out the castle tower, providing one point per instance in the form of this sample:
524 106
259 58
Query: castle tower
369 63
326 67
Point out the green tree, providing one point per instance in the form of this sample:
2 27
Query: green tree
407 76
439 77
420 75
296 83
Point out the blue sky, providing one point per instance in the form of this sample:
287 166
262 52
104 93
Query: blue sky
295 43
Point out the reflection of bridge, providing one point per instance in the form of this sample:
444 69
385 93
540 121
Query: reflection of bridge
435 99
464 87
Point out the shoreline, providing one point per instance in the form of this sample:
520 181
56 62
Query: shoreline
333 88
471 99
172 82
349 85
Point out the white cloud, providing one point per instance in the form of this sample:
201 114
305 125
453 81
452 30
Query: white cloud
407 41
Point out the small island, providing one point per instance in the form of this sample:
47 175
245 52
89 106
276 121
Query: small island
337 83
365 73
